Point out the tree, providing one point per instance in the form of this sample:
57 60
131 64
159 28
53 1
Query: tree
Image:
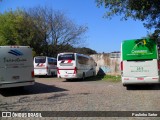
16 28
65 32
85 50
147 11
57 30
47 31
6 28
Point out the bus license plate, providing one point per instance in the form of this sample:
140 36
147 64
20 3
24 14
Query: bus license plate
140 78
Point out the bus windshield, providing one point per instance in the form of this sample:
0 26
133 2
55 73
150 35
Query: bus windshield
40 60
66 57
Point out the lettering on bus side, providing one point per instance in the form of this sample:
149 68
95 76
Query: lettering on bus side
139 69
14 60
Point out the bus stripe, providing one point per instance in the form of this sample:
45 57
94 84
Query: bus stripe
69 61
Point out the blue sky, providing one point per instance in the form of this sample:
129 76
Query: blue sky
103 35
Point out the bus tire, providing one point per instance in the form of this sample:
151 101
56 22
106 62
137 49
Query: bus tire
94 74
19 88
68 80
83 76
52 74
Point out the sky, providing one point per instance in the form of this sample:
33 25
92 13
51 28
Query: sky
103 35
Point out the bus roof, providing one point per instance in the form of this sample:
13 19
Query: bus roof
44 56
76 54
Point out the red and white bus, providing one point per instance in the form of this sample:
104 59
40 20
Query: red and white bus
74 65
44 65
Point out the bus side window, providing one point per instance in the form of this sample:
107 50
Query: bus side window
55 62
50 61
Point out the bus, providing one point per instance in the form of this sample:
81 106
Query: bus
74 65
16 66
45 66
139 62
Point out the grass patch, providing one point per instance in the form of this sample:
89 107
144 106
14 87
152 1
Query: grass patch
111 78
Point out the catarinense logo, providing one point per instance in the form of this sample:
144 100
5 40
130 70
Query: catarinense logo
135 51
15 52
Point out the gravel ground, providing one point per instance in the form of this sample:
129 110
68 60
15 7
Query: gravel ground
52 94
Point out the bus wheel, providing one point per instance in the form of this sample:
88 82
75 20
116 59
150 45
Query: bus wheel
94 74
68 80
52 74
19 88
83 77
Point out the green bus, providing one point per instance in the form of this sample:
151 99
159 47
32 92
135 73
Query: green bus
139 62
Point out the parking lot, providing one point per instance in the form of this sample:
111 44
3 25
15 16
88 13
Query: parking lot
53 94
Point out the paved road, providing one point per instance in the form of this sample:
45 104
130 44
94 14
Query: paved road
52 94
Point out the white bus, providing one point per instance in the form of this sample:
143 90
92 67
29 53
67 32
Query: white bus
44 65
74 65
140 62
16 66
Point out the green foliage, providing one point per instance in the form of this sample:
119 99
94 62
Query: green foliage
69 48
18 29
112 78
85 50
47 31
6 29
144 10
149 43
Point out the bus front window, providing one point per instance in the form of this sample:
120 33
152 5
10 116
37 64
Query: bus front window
40 60
66 57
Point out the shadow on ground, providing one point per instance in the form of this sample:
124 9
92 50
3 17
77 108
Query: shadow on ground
88 79
37 88
45 76
144 87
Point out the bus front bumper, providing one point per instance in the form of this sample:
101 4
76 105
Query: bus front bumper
69 76
140 80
